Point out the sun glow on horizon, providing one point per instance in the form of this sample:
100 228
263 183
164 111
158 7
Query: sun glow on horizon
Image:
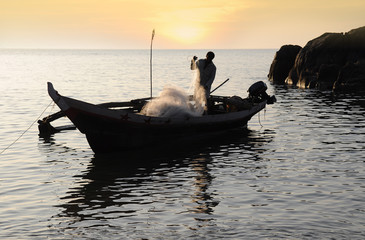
191 24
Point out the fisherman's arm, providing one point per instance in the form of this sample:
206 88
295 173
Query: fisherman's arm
193 63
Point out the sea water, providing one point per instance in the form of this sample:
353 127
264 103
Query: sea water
296 173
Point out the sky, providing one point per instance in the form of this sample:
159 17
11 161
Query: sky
179 24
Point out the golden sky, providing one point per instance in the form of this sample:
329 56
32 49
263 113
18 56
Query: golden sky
179 24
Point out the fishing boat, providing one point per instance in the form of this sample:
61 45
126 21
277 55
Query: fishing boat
121 126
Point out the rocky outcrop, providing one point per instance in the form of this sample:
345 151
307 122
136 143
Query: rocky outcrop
283 62
333 61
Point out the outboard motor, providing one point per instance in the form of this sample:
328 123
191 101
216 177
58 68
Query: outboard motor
258 90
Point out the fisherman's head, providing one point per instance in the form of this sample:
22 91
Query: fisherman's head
210 56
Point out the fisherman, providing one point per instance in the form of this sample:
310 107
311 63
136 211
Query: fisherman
205 75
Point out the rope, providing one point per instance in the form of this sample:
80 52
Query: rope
49 115
21 135
259 119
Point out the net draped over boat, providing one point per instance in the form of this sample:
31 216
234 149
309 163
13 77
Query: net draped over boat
172 102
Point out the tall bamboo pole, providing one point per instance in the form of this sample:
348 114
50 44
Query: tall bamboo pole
153 34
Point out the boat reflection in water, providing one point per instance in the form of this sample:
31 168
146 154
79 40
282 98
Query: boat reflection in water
163 188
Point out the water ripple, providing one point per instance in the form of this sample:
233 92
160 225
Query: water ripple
298 173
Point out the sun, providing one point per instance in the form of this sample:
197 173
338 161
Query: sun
184 33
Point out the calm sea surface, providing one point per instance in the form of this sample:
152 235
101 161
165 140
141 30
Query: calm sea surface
297 173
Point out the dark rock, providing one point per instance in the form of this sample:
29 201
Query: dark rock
333 61
351 78
283 61
326 75
327 49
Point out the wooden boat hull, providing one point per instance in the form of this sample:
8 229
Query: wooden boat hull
109 130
